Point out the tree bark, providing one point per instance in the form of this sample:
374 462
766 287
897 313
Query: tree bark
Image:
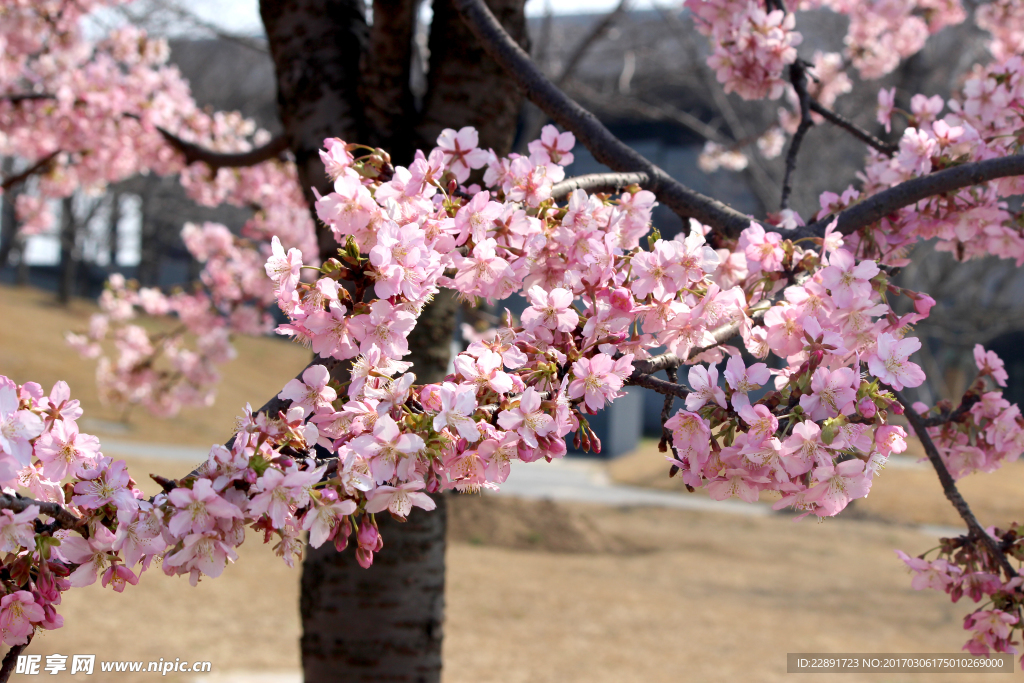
337 77
148 273
113 237
68 251
316 46
8 218
465 86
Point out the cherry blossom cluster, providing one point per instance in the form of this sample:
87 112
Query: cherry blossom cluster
987 431
1004 19
751 46
884 32
82 518
599 302
159 370
963 566
982 124
96 110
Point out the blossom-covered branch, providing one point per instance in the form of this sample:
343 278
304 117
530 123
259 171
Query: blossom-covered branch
605 147
17 504
38 167
950 490
910 192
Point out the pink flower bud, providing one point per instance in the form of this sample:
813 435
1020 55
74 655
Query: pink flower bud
923 304
622 299
866 407
364 558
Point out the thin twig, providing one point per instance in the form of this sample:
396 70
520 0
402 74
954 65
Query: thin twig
798 77
949 486
592 134
886 148
968 401
37 167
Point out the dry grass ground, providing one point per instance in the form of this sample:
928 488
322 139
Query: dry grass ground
32 348
541 592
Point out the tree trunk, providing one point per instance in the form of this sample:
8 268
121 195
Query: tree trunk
68 251
8 218
148 273
113 237
337 77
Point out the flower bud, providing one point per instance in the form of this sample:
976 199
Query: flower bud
866 407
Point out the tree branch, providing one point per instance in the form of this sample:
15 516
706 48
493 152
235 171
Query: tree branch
955 416
216 160
598 182
37 167
949 487
886 148
11 659
605 147
905 194
62 516
798 77
14 98
641 379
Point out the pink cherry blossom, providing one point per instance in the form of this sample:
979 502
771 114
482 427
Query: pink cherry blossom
989 363
552 310
527 419
199 509
890 362
832 393
17 531
17 427
596 380
458 403
461 152
553 147
388 450
63 450
704 385
311 393
19 613
399 500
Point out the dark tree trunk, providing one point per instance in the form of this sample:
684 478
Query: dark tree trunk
383 623
337 77
316 46
149 238
68 251
21 274
8 218
113 237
